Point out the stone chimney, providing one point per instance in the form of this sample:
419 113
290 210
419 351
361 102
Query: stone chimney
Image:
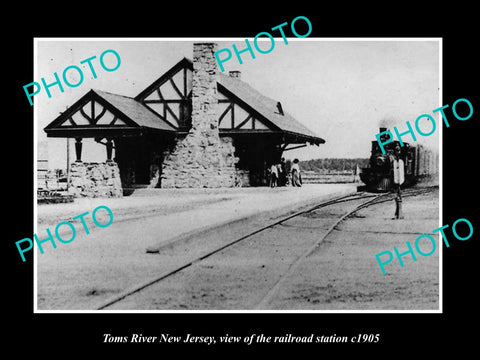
202 158
204 90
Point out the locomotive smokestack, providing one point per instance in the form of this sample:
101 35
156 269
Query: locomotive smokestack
387 122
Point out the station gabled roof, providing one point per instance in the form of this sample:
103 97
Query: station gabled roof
184 63
131 115
271 110
135 111
127 116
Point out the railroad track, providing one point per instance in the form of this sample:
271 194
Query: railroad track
371 199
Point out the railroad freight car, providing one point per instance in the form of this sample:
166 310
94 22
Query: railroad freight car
419 163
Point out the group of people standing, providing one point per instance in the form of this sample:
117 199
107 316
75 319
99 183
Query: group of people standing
284 173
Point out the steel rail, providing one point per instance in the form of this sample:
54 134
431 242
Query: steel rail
169 273
273 291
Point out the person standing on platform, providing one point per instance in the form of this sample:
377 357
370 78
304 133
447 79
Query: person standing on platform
282 176
296 176
288 171
273 175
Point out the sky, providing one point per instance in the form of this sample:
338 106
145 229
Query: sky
341 89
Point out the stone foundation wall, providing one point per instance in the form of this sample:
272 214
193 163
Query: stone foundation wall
202 158
95 180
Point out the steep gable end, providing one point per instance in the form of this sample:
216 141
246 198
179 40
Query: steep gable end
98 113
170 96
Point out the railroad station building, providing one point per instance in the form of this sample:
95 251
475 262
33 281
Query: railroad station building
192 127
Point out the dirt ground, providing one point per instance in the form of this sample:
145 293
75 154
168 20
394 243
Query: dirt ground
82 274
342 274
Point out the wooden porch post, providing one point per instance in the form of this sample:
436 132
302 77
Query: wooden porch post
109 149
78 149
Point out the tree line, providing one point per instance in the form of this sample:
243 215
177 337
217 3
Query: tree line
333 164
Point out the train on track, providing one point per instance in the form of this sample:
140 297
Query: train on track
419 163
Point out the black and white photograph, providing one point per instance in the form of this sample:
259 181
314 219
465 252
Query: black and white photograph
259 187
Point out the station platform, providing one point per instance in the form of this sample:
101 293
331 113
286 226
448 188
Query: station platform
179 212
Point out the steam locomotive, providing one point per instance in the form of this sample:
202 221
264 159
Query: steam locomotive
378 175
